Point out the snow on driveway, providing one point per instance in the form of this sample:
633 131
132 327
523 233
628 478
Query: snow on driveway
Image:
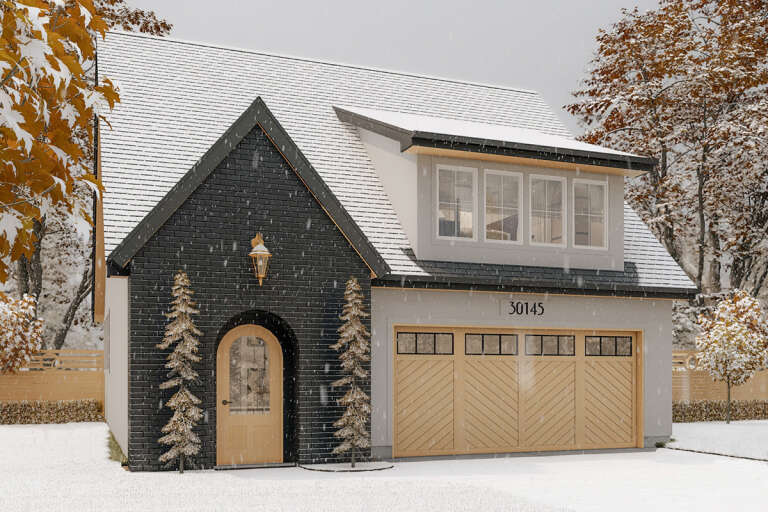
739 438
65 467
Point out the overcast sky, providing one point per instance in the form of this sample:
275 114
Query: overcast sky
543 45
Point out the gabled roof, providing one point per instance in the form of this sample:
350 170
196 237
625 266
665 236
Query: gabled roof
256 115
179 98
415 130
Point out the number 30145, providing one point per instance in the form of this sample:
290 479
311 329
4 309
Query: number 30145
526 308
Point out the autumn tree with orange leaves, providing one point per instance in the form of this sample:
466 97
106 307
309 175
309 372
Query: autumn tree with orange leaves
686 83
22 332
49 105
733 345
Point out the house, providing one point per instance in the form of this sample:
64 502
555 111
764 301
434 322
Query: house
517 303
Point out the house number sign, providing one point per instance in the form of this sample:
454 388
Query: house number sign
523 308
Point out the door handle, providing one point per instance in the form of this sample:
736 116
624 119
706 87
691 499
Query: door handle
225 402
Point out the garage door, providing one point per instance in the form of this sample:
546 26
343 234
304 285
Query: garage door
506 390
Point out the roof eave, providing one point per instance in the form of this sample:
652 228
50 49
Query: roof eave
537 286
404 137
539 152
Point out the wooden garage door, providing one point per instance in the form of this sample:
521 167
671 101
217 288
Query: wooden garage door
504 390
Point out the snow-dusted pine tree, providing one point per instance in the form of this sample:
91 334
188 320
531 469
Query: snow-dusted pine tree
356 348
182 333
734 341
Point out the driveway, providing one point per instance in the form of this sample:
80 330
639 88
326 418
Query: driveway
65 467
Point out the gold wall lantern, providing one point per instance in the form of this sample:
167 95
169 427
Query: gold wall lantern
260 256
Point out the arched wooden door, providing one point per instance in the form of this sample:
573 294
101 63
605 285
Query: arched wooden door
249 397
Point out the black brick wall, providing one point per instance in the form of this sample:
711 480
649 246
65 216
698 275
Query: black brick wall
253 190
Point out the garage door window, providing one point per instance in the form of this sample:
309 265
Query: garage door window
490 344
608 346
427 343
549 345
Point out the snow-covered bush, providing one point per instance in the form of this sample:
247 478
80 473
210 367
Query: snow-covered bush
21 333
183 335
356 348
733 344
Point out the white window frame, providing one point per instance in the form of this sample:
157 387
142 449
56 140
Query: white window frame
545 177
521 231
436 208
604 184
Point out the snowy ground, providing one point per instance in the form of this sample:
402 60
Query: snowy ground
739 438
64 467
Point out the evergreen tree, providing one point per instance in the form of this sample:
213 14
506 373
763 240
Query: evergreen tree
182 334
354 342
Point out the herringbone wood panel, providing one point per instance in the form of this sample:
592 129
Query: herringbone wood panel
548 390
608 410
464 403
424 408
491 403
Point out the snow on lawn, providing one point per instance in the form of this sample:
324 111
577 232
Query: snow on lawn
739 438
65 467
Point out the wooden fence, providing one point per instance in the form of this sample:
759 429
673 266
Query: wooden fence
688 384
57 375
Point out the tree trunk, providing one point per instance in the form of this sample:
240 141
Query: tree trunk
34 264
22 276
82 292
737 271
667 232
702 229
728 410
760 282
181 463
30 270
354 450
715 267
701 177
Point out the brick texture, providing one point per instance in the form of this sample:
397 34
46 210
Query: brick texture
253 190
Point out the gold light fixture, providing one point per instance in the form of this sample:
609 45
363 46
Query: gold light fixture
260 256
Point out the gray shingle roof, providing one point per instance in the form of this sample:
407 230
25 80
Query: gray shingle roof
178 98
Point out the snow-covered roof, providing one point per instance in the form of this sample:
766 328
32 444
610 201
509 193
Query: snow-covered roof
178 98
484 133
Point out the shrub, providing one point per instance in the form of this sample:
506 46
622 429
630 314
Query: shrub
40 411
717 410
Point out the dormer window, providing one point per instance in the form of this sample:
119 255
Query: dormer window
518 214
548 210
456 209
503 204
589 219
